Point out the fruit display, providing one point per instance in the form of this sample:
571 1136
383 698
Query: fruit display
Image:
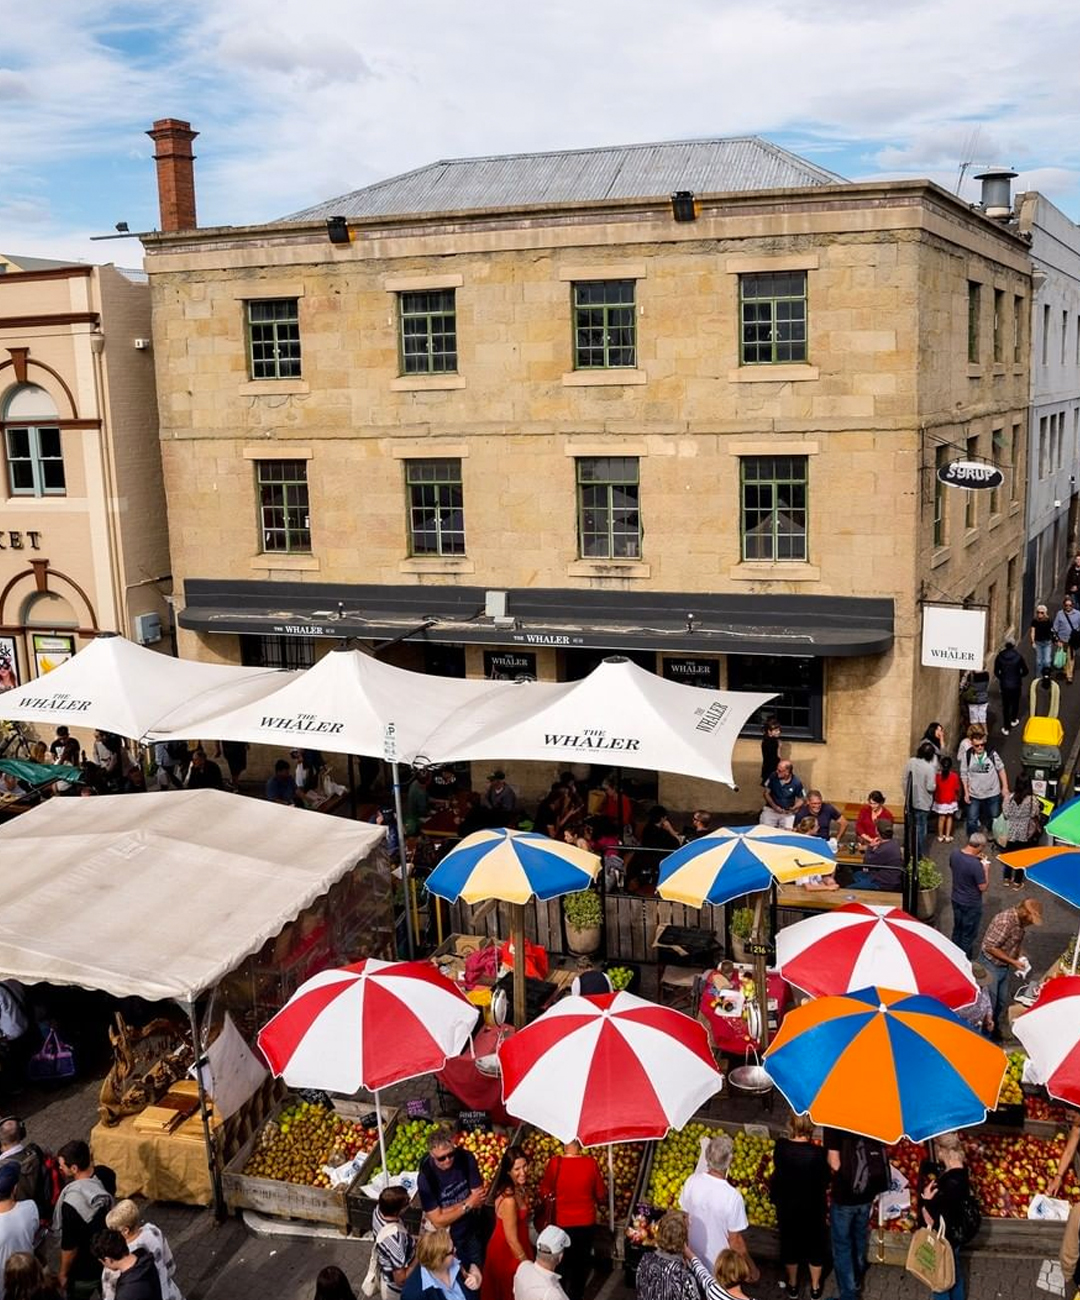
626 1162
487 1146
675 1159
408 1145
1050 1112
1010 1094
305 1136
620 976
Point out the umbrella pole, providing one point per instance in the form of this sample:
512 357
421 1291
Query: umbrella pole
611 1185
382 1135
1076 953
761 978
517 939
399 816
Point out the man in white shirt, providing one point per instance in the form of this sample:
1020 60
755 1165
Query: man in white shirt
716 1211
19 1220
539 1281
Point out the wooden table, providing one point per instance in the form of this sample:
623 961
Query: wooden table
795 899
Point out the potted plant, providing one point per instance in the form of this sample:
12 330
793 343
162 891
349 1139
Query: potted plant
582 915
742 925
929 884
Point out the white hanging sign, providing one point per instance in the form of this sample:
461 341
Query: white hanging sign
953 637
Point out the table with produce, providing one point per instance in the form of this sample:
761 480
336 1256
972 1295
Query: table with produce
725 1002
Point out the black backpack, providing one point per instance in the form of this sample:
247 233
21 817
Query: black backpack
864 1168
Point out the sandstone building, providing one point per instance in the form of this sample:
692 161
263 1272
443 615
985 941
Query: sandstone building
520 413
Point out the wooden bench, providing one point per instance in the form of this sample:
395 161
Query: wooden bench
794 898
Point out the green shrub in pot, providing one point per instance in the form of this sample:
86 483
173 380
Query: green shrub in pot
582 910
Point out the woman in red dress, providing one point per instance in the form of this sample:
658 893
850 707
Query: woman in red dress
509 1243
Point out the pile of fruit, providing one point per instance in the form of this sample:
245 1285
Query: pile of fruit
1010 1094
409 1145
626 1161
487 1146
1051 1112
751 1167
305 1136
620 976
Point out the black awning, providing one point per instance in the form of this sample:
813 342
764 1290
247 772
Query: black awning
804 626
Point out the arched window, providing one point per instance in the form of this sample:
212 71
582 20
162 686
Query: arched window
35 457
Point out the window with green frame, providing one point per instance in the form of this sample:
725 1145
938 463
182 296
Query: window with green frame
273 338
609 517
436 507
284 519
774 490
35 460
605 325
772 311
428 332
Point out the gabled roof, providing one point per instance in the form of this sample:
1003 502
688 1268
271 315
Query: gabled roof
634 171
16 262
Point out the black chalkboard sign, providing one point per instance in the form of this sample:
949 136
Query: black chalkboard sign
418 1108
473 1119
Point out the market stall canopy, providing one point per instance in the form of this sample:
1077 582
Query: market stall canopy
159 895
620 714
348 703
116 685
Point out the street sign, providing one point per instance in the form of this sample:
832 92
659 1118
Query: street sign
971 475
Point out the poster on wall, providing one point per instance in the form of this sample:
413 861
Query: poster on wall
953 637
51 649
9 664
509 665
693 672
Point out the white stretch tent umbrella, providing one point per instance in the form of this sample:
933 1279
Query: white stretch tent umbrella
115 685
620 714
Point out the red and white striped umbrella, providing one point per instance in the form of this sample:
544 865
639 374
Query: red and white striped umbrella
367 1025
860 945
1050 1032
608 1068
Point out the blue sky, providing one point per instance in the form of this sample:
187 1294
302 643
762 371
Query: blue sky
305 99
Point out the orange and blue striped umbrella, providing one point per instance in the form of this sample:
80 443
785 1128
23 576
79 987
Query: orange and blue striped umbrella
885 1064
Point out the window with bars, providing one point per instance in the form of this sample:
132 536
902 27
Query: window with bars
774 492
35 461
274 338
277 651
605 325
609 518
798 683
436 507
428 332
284 519
772 311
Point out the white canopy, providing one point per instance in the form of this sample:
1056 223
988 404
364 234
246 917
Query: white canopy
348 703
620 714
118 686
160 895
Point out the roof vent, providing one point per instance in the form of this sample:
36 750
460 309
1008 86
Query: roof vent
996 200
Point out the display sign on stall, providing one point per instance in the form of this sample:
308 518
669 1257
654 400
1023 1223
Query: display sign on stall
418 1108
473 1119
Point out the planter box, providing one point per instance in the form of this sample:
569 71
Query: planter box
282 1200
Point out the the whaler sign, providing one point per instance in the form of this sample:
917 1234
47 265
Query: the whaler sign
60 703
304 724
589 740
953 637
972 475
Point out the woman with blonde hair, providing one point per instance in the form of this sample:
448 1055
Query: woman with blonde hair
944 1192
725 1283
438 1274
124 1218
664 1273
798 1190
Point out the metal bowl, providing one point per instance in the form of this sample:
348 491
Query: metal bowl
751 1078
489 1065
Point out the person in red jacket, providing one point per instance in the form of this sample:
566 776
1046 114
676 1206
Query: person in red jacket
573 1187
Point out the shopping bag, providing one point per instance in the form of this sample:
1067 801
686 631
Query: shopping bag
999 828
53 1060
930 1259
1061 657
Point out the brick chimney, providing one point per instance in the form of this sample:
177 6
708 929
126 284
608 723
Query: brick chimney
175 173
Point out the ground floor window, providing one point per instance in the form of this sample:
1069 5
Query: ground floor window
799 684
277 651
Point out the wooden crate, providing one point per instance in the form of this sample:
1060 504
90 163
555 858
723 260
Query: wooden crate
284 1200
359 1208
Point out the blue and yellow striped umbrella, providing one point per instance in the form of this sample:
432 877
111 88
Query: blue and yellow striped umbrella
737 860
512 866
885 1064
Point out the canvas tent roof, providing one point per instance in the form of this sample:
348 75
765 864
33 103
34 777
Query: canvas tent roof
162 895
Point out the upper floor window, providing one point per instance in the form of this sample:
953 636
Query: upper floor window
605 325
974 309
274 338
609 517
999 324
1018 330
772 311
32 441
428 332
436 507
773 508
284 520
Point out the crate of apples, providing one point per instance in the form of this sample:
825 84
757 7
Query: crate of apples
487 1146
676 1157
295 1145
1007 1171
626 1162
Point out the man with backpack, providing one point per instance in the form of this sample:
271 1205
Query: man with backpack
985 784
860 1172
39 1174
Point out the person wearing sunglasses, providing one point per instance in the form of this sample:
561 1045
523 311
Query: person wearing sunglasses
451 1194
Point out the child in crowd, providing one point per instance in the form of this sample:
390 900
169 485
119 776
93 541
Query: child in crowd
946 798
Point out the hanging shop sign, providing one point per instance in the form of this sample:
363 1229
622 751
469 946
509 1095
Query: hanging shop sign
953 637
972 475
509 665
693 672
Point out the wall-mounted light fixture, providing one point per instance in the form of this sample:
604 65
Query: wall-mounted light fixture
684 206
337 230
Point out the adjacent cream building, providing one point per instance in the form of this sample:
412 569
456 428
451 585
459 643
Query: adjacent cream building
83 535
515 414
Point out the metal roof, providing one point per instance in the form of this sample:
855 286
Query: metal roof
634 171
